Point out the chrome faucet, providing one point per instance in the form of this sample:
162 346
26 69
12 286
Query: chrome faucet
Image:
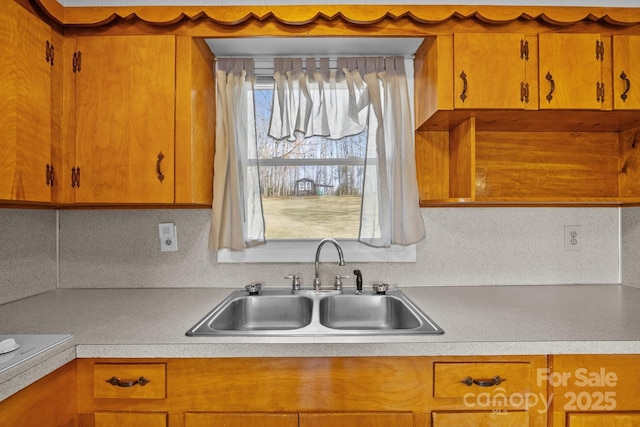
316 280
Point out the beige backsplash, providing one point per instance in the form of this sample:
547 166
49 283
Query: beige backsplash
464 246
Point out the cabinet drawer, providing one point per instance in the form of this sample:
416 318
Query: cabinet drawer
457 380
130 419
607 419
130 380
461 419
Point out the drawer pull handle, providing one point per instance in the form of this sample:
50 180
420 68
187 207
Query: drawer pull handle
117 382
483 382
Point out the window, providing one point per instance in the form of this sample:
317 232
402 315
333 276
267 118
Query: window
311 187
329 147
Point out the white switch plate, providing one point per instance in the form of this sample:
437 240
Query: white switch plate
168 233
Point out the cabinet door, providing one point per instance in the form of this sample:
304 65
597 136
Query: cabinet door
604 385
125 124
25 105
240 419
489 71
610 419
357 419
130 419
480 419
626 72
570 71
50 401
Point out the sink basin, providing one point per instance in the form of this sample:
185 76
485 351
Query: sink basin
367 312
277 312
260 313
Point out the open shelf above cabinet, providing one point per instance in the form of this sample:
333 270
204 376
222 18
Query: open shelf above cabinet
470 167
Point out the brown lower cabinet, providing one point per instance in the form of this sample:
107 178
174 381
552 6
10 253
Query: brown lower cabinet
49 402
534 391
595 390
312 392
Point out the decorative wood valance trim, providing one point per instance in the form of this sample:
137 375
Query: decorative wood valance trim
352 14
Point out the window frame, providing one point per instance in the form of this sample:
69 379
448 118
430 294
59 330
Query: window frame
287 251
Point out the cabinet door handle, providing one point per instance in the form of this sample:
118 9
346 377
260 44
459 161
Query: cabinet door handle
549 77
158 164
117 382
483 382
627 84
463 95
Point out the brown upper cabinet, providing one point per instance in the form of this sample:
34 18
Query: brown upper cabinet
139 120
570 73
488 75
463 72
490 71
27 55
626 72
125 103
512 104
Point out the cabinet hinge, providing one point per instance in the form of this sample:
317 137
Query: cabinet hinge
75 177
49 175
524 92
524 50
77 61
600 91
600 50
49 52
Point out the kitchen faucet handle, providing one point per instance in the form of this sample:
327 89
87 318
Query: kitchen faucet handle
295 282
337 285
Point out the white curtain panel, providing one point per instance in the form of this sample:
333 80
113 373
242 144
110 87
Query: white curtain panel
359 93
237 222
313 101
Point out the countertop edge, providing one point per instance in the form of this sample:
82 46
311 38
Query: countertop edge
354 349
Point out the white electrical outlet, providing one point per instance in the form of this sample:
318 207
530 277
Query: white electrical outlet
573 237
168 233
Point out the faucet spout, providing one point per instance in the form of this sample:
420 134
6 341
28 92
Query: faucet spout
316 280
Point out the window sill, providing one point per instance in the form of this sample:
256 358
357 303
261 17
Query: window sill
295 251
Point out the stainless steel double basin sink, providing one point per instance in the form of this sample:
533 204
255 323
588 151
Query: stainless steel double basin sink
278 312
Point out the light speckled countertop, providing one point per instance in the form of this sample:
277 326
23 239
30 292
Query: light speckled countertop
477 320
